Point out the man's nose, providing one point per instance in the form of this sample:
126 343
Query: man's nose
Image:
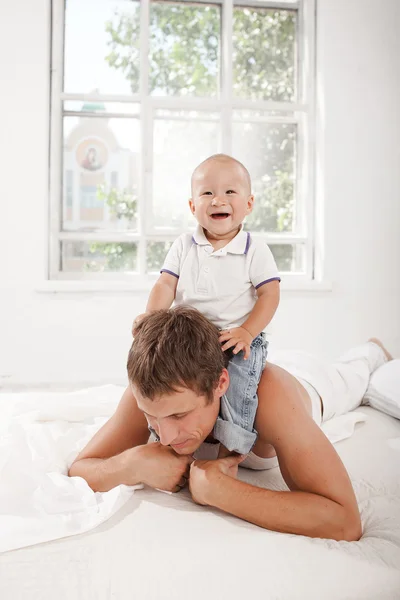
167 432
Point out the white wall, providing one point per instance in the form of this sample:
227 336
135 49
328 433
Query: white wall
85 337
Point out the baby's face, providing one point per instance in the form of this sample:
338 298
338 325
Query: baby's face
221 197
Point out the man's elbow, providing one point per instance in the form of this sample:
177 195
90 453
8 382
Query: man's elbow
350 529
79 468
353 531
342 524
73 471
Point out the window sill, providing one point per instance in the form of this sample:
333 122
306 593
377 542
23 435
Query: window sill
144 286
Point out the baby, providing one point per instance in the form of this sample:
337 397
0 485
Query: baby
232 279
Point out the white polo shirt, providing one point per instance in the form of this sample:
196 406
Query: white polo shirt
222 283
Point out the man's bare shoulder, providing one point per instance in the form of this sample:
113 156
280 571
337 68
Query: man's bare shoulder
281 397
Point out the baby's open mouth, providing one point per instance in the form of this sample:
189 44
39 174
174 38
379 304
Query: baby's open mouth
220 215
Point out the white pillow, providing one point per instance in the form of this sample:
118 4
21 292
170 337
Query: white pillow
383 392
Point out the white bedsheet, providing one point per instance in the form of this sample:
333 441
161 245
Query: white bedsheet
164 546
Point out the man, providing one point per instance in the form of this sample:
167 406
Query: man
178 379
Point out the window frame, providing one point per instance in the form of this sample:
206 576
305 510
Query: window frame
301 113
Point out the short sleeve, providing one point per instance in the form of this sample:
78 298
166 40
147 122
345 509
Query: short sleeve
172 262
263 267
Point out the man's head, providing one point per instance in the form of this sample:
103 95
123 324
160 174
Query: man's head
177 371
221 195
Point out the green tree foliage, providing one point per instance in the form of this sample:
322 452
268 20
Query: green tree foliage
185 50
114 256
122 203
264 54
155 253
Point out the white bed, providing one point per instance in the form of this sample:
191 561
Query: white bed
161 546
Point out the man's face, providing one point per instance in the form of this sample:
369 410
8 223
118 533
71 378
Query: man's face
183 419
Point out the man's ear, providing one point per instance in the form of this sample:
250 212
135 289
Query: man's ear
223 383
250 203
192 206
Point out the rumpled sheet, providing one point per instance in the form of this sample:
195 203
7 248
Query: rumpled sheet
40 436
161 546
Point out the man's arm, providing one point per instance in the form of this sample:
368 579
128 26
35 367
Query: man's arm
104 460
119 454
321 502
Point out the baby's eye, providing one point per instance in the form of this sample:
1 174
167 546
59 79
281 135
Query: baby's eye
179 416
206 194
230 192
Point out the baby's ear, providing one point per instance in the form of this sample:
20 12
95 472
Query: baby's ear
192 206
250 203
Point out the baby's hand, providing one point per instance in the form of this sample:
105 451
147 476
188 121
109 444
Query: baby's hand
223 452
136 322
238 337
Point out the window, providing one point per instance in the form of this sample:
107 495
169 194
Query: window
89 198
144 91
114 179
69 188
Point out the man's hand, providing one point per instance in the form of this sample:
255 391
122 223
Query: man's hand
238 337
163 468
205 474
137 321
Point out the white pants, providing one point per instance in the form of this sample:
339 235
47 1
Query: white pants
341 385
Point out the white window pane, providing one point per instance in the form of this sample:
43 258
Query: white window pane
289 258
69 188
155 255
179 146
102 108
288 2
98 256
101 173
268 151
264 54
101 46
184 49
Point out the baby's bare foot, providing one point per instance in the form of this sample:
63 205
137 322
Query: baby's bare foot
379 343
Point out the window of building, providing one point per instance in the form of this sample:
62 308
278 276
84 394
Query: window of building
69 188
144 91
88 197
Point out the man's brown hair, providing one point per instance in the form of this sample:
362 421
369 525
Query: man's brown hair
173 349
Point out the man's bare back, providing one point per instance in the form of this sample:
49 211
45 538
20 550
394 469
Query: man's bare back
274 375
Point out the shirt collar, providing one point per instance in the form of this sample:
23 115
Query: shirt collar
238 245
